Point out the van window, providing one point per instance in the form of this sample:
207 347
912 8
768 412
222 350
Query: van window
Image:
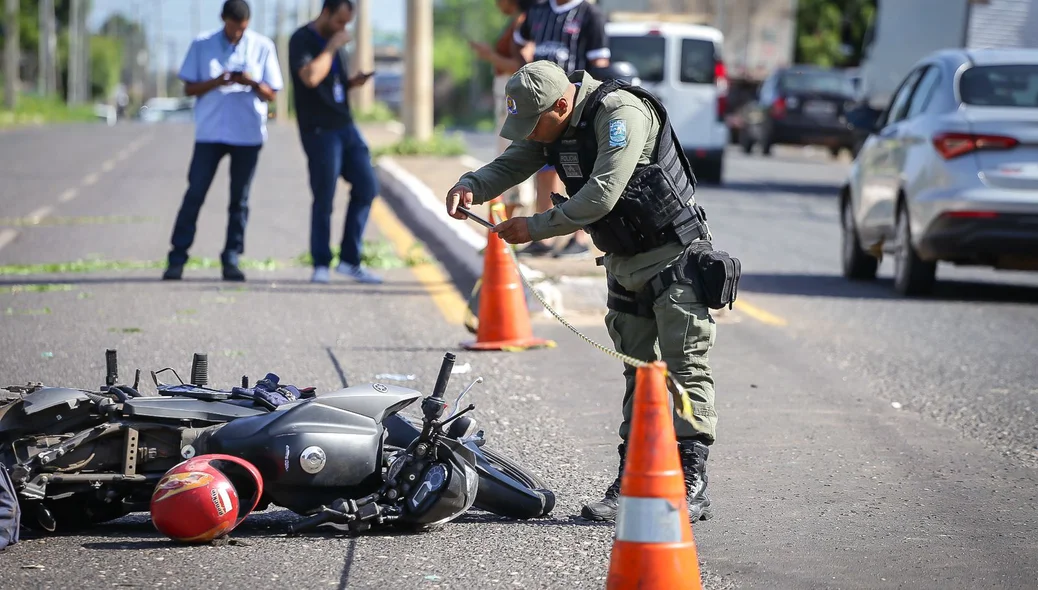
697 61
646 53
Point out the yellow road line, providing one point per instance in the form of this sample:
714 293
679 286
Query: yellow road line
759 314
439 287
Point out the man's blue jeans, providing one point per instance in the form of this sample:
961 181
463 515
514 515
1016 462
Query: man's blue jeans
333 153
200 175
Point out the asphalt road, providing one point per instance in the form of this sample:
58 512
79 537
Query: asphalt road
817 479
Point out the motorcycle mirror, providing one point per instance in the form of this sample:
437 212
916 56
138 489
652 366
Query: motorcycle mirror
457 401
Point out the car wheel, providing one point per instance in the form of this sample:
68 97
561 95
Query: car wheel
834 152
745 141
712 171
912 275
857 264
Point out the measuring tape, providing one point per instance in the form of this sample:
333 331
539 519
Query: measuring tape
682 401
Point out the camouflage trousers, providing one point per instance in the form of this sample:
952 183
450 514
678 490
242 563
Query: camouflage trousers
681 334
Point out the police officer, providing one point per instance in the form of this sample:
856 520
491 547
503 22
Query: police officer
632 189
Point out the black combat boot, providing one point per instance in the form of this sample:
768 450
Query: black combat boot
605 509
693 463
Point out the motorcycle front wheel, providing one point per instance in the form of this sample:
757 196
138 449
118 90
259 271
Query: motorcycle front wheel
508 489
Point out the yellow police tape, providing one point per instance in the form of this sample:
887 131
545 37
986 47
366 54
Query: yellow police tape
682 401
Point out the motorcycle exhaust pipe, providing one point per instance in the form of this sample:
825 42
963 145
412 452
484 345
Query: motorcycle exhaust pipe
200 369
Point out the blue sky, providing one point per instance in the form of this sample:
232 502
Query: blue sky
387 15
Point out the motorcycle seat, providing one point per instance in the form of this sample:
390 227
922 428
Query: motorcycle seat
186 408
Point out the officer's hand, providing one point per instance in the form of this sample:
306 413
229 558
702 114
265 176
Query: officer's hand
458 195
514 231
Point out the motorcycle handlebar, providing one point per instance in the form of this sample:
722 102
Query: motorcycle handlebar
308 522
445 374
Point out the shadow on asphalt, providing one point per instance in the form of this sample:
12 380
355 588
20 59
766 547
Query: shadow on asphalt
837 286
823 190
136 533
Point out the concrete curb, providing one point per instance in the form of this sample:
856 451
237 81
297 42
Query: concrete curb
415 204
457 245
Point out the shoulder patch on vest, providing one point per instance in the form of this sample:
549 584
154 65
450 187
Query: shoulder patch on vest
617 133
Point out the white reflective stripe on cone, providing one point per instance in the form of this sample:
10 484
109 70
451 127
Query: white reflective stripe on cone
648 520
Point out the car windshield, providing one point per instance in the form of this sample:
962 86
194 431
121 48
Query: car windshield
646 54
1000 86
804 82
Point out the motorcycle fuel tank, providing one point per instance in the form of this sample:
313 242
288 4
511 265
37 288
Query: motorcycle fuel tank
318 450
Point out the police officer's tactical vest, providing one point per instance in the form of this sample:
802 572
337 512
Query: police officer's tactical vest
657 206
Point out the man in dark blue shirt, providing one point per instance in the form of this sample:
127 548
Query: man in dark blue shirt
331 140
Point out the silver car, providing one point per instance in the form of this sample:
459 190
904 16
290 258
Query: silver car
949 171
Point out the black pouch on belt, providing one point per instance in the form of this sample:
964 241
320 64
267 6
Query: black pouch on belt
718 274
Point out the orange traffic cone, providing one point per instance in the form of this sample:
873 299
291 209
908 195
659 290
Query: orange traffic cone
504 322
653 547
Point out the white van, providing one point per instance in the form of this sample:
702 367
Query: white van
681 64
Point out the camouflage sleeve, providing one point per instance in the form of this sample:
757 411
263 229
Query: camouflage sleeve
622 133
518 162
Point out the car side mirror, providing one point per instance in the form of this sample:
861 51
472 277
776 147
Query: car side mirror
863 118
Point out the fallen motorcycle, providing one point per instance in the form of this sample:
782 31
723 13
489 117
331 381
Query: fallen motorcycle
79 458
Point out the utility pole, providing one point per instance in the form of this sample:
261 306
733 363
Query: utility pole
84 57
302 8
160 41
261 18
364 58
196 18
315 8
12 55
281 102
74 48
418 80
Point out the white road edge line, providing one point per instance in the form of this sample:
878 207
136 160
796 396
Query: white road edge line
108 165
90 179
428 200
68 195
7 236
41 213
470 161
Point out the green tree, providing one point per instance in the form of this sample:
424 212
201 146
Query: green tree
455 23
829 32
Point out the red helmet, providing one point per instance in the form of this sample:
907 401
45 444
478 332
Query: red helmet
199 499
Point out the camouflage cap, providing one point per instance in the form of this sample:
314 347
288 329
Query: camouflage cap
529 93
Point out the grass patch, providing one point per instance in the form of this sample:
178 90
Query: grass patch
37 288
379 113
440 144
13 311
37 110
97 265
85 220
126 330
376 254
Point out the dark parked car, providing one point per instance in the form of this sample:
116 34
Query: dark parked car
801 105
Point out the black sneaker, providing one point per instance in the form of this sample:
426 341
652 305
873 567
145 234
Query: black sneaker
693 463
535 249
173 272
573 249
233 273
605 509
